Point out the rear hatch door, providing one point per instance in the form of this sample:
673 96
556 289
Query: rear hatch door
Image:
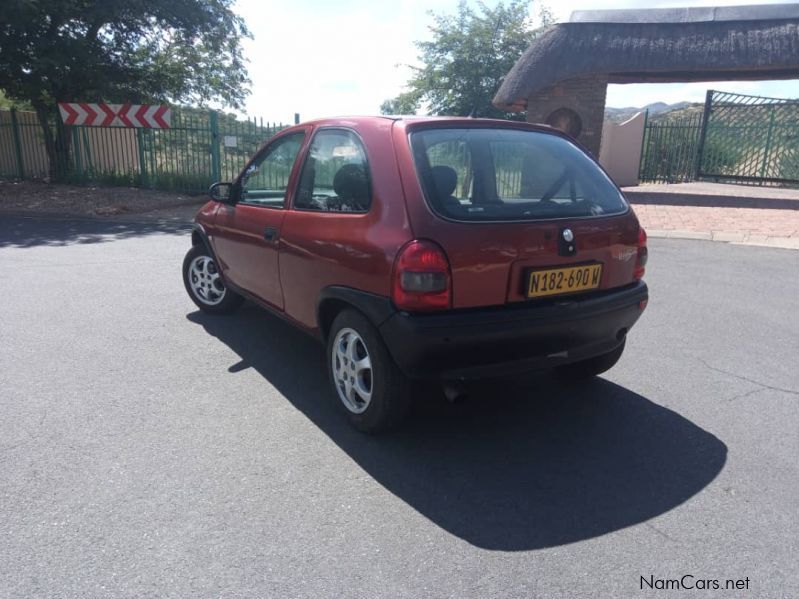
522 214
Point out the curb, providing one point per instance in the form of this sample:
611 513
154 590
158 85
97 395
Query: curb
789 243
709 200
127 219
131 216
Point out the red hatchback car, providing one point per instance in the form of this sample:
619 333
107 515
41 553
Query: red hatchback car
426 249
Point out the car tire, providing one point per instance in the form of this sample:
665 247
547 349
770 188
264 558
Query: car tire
366 383
589 368
204 283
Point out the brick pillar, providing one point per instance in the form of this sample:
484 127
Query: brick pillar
581 96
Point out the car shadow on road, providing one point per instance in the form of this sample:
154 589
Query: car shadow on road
24 231
522 465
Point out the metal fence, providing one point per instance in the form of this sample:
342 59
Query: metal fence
22 151
670 149
737 139
201 147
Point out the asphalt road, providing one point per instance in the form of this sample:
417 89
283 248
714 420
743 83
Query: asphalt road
149 450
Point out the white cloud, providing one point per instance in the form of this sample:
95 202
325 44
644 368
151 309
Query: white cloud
322 58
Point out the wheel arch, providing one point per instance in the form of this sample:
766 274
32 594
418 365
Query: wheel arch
200 237
334 299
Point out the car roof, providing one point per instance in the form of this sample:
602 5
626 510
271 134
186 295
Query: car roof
361 121
412 118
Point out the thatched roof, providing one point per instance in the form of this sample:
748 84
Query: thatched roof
661 45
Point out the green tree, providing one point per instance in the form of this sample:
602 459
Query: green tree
118 51
463 65
5 103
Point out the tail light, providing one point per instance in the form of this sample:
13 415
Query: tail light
422 280
640 262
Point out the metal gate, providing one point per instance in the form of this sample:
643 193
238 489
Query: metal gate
736 139
669 149
749 139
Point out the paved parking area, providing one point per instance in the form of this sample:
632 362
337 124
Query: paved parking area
707 193
766 216
758 226
149 450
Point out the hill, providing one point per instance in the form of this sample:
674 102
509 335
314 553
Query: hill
656 110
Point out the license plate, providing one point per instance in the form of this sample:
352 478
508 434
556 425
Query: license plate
557 281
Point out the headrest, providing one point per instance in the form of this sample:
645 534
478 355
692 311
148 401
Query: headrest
351 182
446 179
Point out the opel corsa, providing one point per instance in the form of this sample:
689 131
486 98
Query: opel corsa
426 249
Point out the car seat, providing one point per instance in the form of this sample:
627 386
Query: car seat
351 184
445 180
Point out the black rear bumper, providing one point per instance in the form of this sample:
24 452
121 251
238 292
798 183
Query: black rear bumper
466 344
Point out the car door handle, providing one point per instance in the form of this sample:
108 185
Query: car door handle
270 234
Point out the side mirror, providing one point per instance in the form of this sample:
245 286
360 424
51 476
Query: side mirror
222 192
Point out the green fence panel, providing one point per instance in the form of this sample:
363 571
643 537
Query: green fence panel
22 151
669 152
216 166
8 166
737 139
750 139
201 147
17 144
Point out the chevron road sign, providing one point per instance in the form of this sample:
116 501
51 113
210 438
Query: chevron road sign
151 116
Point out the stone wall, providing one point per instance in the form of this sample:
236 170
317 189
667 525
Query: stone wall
577 104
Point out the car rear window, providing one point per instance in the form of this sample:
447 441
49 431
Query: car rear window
481 174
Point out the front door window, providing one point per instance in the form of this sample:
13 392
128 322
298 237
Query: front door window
266 180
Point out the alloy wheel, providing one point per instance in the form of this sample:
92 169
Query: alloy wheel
205 282
352 370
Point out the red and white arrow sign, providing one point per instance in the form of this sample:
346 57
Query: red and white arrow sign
151 116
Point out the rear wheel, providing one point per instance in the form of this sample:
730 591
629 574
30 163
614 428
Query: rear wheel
367 385
204 284
591 367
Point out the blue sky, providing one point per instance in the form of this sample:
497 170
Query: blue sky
344 57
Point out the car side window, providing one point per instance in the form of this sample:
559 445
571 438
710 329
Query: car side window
335 176
266 180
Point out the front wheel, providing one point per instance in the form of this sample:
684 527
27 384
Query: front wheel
366 382
204 284
591 367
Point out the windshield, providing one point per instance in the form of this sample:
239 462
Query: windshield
505 174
